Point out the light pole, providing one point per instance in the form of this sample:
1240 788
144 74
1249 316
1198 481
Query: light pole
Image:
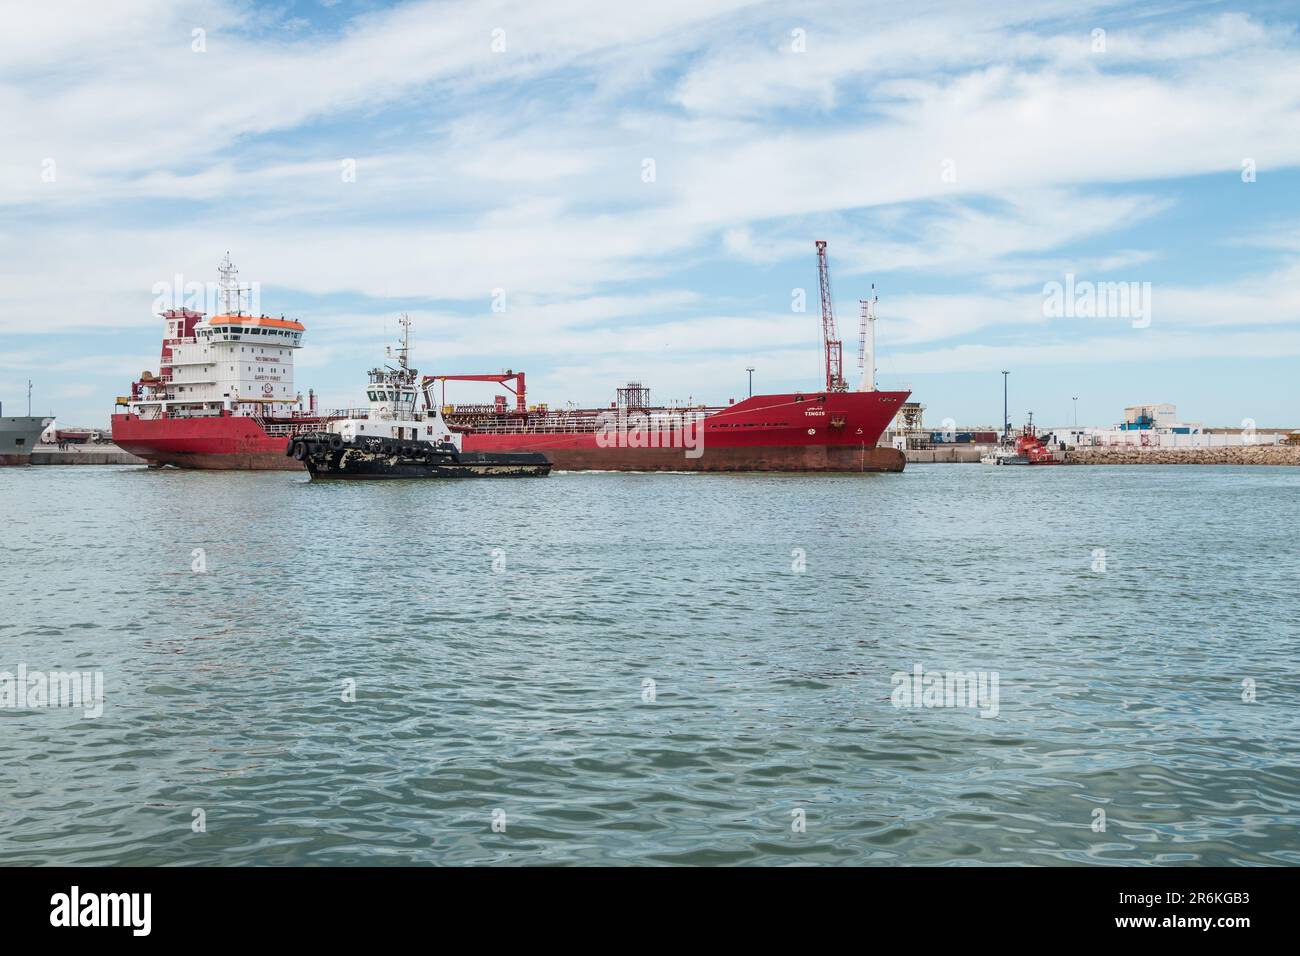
29 398
1075 399
750 370
1006 422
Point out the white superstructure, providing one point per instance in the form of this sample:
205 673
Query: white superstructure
393 414
234 362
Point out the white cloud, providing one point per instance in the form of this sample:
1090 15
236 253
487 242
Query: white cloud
522 170
116 91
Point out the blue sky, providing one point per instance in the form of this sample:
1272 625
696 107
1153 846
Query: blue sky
960 156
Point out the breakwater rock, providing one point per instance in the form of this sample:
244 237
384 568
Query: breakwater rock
1229 455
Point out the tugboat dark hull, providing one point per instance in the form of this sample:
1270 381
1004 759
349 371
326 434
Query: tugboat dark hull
329 456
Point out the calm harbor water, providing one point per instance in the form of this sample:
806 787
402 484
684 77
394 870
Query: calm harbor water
502 637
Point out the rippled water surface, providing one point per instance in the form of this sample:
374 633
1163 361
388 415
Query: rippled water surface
522 692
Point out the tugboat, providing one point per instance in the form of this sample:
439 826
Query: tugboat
393 439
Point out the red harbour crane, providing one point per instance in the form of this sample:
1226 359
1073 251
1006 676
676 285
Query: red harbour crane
834 346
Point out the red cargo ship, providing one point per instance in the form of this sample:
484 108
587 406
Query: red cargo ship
817 431
833 429
198 412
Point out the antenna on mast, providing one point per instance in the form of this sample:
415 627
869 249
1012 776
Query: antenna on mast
404 353
231 294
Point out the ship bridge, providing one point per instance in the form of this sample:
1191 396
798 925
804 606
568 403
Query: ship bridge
234 362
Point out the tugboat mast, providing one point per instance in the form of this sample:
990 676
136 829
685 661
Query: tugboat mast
403 372
404 353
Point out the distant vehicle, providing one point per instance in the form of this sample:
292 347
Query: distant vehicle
77 436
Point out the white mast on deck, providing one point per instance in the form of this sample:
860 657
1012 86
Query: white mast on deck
867 343
403 350
405 356
231 294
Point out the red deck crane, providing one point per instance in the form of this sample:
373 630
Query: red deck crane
520 390
834 346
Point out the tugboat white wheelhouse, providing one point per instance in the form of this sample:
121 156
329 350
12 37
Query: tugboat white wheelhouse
393 438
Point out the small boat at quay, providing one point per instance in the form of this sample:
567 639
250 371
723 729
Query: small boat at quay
1029 448
393 438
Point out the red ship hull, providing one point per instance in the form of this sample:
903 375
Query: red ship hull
774 458
228 443
835 431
